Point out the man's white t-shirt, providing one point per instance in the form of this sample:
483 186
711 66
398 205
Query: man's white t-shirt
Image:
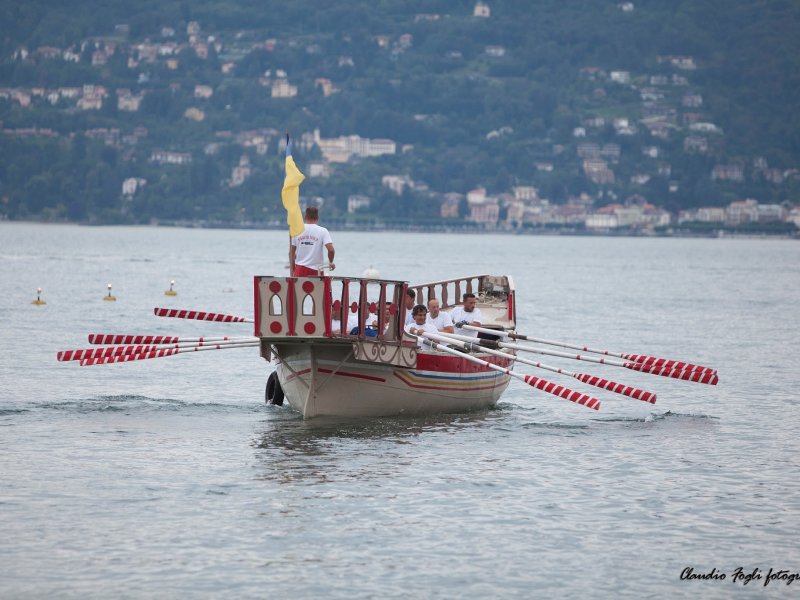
441 321
459 314
310 246
425 326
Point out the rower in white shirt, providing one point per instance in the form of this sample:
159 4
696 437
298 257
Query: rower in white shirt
419 325
467 314
411 300
437 318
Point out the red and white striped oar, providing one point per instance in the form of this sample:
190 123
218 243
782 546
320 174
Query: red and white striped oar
113 338
181 313
708 377
637 358
618 388
538 383
159 353
67 355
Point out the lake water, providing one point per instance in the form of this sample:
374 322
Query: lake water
171 478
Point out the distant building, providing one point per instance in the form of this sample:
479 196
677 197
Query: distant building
357 202
194 114
283 89
741 211
326 85
623 77
693 143
711 215
341 149
164 157
319 168
396 183
203 91
601 220
525 193
481 10
485 211
770 213
127 102
597 171
131 185
240 172
451 205
733 173
90 103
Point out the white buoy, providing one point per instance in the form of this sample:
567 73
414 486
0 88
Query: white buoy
38 301
170 291
371 273
110 298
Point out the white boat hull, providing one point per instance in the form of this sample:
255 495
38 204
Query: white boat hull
320 380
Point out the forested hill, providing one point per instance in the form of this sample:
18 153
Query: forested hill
679 103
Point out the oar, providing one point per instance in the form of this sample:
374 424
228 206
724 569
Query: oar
112 338
618 388
638 358
182 313
538 383
707 377
158 353
67 355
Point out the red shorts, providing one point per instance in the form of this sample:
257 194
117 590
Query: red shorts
302 271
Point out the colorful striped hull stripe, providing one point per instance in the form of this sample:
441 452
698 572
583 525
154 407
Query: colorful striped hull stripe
425 380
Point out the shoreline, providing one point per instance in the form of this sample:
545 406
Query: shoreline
343 226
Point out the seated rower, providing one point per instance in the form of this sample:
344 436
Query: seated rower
419 325
467 314
437 318
410 299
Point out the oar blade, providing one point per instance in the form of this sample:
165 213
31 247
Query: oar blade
706 377
110 338
562 392
665 363
116 358
182 313
617 388
91 353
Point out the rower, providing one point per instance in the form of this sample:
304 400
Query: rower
437 318
419 325
467 314
411 299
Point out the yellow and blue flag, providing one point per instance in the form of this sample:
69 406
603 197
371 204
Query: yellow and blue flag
291 193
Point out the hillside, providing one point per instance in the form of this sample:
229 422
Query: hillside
673 104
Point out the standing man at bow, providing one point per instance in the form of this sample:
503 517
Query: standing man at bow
306 251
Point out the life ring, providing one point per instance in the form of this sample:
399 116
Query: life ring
274 392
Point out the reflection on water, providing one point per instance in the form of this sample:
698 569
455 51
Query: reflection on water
292 449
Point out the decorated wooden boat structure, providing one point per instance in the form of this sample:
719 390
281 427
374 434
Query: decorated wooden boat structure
339 348
371 366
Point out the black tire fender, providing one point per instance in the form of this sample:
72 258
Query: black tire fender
274 392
